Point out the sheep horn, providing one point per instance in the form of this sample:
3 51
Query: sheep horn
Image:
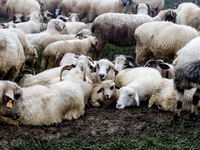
36 48
88 57
58 54
68 67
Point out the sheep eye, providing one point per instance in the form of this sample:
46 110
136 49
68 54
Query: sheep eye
17 95
112 87
102 89
130 95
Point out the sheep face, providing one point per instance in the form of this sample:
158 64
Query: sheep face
30 58
124 2
103 68
73 17
47 15
127 97
93 40
107 88
17 18
10 99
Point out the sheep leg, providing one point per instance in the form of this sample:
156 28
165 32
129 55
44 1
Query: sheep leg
142 55
179 100
194 110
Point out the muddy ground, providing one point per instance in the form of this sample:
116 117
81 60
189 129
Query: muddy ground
94 126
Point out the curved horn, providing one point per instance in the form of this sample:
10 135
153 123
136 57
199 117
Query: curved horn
90 59
36 48
59 53
68 67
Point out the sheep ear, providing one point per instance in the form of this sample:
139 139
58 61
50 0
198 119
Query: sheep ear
137 99
164 66
100 90
117 87
93 70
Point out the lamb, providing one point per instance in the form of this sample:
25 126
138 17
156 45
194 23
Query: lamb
25 7
188 14
154 40
73 17
104 71
106 93
50 52
164 97
11 55
122 62
115 28
10 99
76 6
166 70
99 7
53 103
31 26
18 18
140 88
157 5
187 75
54 27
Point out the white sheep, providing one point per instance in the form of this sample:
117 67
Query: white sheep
76 6
140 88
18 18
105 93
188 14
154 39
104 70
53 103
10 99
31 26
141 8
165 98
99 7
157 5
54 27
11 55
166 70
186 75
115 28
73 17
74 27
25 7
50 52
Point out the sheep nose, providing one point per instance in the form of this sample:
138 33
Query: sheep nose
119 105
101 75
107 96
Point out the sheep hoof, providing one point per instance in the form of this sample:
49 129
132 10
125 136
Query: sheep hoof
193 117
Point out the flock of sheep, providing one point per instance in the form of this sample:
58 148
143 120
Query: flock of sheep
70 34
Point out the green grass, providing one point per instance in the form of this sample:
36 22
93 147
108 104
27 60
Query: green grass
182 135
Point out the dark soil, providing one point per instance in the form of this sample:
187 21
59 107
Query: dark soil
94 126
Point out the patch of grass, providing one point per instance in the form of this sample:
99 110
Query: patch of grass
181 135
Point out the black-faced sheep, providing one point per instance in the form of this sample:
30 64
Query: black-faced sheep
142 82
10 99
187 75
188 14
99 7
118 29
154 39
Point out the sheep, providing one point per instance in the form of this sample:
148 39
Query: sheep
74 27
122 62
63 18
57 13
8 25
104 70
154 40
166 70
140 88
73 17
157 5
47 16
18 18
25 7
115 28
99 7
141 8
188 14
106 92
31 26
54 27
164 97
50 52
3 9
186 75
76 6
53 103
10 100
11 55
